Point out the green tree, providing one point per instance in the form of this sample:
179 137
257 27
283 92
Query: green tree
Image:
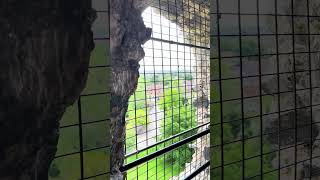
179 117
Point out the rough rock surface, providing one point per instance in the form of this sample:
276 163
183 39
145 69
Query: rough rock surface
44 53
297 81
188 14
128 33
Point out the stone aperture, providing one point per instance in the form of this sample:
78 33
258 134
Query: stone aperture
128 33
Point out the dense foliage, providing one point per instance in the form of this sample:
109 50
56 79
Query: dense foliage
179 117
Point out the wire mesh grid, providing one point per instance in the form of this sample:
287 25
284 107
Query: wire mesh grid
167 111
265 94
83 151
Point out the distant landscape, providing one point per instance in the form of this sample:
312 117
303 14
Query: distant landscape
171 95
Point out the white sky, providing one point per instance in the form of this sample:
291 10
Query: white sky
161 55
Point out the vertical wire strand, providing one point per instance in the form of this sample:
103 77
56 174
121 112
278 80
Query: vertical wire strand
220 91
81 139
184 63
241 86
155 96
196 63
190 57
278 88
294 89
177 51
163 83
146 109
171 84
310 91
260 89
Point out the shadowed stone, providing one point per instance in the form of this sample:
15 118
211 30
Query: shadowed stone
44 55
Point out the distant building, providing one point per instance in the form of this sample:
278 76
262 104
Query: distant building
155 90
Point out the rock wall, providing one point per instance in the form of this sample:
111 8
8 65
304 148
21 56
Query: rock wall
44 50
291 82
188 14
128 33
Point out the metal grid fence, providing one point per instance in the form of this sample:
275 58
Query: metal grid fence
167 120
265 89
83 149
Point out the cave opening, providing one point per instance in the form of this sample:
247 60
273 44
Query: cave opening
167 106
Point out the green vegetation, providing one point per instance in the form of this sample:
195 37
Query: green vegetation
137 114
179 115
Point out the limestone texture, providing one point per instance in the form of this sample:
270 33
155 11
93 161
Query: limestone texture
298 120
128 33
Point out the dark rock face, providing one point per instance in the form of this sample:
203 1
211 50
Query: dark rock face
44 55
287 129
128 33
